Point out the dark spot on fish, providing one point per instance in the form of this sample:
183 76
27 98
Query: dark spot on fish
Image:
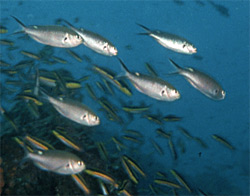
84 116
199 154
78 36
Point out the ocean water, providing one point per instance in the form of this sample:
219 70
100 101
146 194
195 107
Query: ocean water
219 30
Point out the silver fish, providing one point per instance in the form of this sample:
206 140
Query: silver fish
95 41
170 41
202 82
74 110
57 36
152 86
61 162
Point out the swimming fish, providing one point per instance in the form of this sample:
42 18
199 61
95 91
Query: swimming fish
81 183
66 140
74 110
60 162
57 36
95 41
170 41
152 86
102 176
202 82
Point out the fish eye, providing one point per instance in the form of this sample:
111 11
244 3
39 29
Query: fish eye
65 38
105 46
80 163
83 116
184 45
78 36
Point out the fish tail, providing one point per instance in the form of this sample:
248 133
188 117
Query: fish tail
142 33
68 23
26 149
18 21
174 64
45 96
123 66
142 26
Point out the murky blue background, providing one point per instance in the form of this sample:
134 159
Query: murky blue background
223 47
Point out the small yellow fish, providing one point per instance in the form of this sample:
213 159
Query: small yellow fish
73 85
23 144
74 55
30 54
66 140
171 118
129 171
91 92
163 133
31 98
38 143
131 138
102 150
59 60
8 118
171 145
4 64
153 118
84 78
180 180
157 147
133 164
119 145
167 183
223 141
81 183
135 109
3 30
102 176
185 132
6 42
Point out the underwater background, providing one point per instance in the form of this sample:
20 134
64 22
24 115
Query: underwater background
219 30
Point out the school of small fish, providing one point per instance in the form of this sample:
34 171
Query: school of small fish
71 108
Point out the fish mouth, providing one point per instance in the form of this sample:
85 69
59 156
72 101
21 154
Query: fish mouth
223 94
192 50
114 52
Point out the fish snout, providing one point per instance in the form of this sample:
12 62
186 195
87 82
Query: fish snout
78 166
113 51
192 49
223 93
94 120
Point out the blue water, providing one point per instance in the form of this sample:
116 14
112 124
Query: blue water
223 45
